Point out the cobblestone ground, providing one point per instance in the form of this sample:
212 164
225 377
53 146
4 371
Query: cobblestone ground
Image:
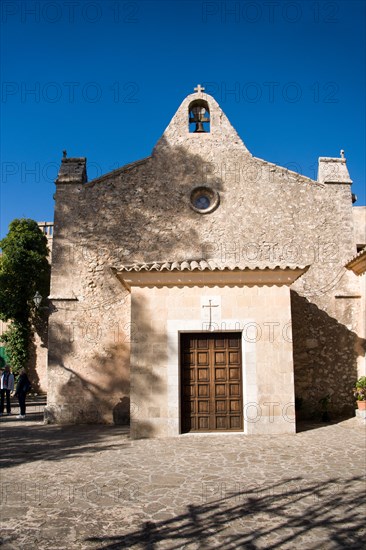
89 487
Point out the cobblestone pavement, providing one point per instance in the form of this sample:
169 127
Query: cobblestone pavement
91 487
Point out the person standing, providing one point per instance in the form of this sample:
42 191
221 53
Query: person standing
7 386
23 387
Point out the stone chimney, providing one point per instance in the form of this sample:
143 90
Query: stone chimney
333 170
69 184
72 170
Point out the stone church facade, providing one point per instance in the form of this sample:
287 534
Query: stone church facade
203 289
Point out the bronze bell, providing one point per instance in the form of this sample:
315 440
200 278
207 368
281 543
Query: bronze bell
199 127
199 119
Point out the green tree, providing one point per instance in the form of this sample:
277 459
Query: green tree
24 269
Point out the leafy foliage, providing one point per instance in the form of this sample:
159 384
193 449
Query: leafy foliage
16 340
24 269
359 391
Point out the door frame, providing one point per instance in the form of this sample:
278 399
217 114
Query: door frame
249 367
226 331
214 332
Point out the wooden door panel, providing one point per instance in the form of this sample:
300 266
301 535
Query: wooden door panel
234 343
221 423
236 422
234 373
202 343
220 390
211 396
203 390
234 390
203 406
234 358
220 406
220 358
203 423
203 358
235 406
219 342
203 374
220 374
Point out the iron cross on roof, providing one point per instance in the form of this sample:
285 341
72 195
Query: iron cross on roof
210 306
199 89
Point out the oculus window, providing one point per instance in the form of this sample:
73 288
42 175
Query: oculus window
204 199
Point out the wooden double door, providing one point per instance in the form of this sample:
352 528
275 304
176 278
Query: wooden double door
211 382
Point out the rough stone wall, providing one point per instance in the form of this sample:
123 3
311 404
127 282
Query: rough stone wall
89 327
361 360
141 213
325 360
38 355
359 221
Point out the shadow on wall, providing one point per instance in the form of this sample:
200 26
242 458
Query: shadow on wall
325 360
89 394
291 513
36 362
89 236
153 200
149 388
100 392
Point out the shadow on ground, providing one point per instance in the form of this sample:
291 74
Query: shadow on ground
26 443
293 512
310 425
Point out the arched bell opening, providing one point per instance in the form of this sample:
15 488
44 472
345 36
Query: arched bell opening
199 117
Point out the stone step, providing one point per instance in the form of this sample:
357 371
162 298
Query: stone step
361 416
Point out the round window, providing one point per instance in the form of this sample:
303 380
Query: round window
204 199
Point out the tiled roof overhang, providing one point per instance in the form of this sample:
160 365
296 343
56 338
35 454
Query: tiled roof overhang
358 263
206 273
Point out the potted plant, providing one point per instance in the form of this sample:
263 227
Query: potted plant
359 391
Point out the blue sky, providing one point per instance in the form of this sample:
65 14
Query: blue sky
102 79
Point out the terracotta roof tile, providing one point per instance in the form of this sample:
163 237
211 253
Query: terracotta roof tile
204 265
357 263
